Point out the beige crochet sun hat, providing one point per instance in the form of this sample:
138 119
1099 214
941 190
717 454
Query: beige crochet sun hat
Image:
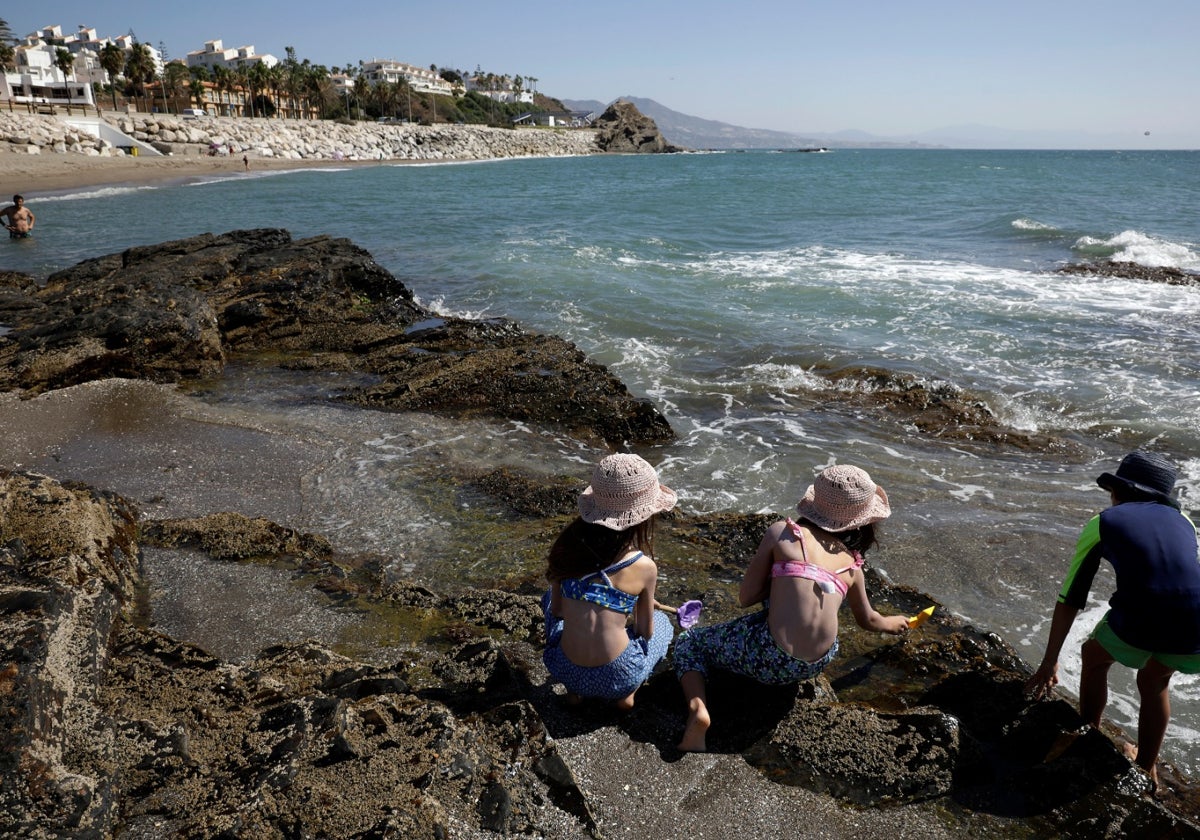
843 498
624 492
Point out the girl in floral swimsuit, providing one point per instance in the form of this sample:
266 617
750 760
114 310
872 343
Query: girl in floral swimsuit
602 573
804 571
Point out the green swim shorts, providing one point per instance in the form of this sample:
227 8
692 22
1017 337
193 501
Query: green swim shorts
1134 657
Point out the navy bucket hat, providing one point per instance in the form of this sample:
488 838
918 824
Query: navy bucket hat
1145 473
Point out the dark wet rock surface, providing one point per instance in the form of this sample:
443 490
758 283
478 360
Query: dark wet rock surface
1134 271
116 729
178 311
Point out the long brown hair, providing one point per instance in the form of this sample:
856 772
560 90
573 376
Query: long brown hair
856 539
585 547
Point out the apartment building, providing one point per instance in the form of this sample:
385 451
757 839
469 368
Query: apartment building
419 78
216 54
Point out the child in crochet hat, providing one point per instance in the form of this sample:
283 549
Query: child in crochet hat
805 570
602 575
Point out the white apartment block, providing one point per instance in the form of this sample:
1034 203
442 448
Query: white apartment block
500 89
419 78
215 54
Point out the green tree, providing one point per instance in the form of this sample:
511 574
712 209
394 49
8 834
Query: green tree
220 77
112 59
259 76
275 83
175 76
8 51
243 75
139 69
199 75
65 62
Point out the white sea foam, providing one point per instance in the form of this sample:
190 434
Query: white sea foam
100 192
1141 248
1031 224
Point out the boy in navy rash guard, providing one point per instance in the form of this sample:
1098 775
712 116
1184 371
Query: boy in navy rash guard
1153 621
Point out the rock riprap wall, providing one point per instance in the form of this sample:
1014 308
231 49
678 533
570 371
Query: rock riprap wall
297 139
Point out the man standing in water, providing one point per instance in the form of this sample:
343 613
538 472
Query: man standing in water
1153 624
18 219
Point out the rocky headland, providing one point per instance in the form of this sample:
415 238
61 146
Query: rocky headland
114 729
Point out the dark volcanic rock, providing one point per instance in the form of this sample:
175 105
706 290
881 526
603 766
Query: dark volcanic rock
1156 274
623 128
176 311
115 730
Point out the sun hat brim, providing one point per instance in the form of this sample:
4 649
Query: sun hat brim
591 509
875 510
1111 482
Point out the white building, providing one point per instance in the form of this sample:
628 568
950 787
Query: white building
501 89
215 54
419 78
38 81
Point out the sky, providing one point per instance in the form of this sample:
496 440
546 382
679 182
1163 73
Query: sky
1102 71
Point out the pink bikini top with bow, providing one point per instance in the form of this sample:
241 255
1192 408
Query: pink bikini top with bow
828 581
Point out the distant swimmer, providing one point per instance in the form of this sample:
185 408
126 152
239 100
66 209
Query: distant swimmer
18 219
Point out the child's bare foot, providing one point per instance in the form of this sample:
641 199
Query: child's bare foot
696 731
624 704
1130 751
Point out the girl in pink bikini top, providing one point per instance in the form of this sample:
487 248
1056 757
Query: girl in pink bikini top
828 581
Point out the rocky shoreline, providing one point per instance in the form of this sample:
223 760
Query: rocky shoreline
113 729
621 129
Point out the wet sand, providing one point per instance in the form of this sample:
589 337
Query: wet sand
59 172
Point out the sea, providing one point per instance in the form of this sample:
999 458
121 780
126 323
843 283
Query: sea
723 287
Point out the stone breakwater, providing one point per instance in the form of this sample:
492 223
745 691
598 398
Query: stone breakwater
295 139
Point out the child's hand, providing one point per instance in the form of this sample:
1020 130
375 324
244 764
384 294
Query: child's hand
896 625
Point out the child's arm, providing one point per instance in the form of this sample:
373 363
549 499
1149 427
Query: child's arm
756 583
865 614
643 612
556 599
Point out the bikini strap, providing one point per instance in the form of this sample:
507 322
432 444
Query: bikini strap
616 567
798 533
859 560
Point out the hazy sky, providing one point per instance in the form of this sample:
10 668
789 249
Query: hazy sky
887 67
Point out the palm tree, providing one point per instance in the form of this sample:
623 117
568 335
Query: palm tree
112 59
260 79
7 50
199 76
221 82
65 62
243 75
139 69
274 76
174 75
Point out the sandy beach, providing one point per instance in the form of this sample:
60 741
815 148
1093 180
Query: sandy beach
32 175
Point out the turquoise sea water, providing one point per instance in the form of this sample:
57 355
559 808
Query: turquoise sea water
718 285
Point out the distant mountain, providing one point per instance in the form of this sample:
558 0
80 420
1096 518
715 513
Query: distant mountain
698 133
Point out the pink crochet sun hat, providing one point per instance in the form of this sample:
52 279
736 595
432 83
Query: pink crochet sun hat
624 492
844 498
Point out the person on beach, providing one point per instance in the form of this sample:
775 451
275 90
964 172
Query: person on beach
246 163
19 219
802 573
602 574
1153 621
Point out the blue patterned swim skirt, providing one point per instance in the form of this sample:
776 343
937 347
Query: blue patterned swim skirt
618 678
744 646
